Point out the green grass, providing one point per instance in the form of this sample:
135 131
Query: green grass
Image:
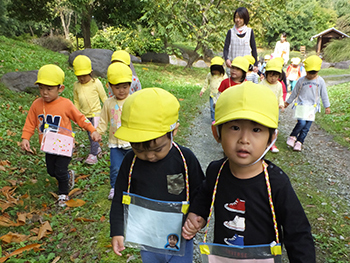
76 241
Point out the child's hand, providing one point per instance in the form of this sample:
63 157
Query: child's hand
200 94
25 145
118 244
286 104
193 224
282 108
328 110
96 137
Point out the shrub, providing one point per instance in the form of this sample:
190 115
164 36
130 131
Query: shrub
54 43
337 50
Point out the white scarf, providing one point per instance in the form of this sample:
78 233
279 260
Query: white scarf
241 30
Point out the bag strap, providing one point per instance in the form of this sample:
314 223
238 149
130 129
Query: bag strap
268 186
185 166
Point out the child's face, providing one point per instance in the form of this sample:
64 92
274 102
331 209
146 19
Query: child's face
172 241
272 77
311 75
216 72
84 79
236 74
121 90
239 22
244 141
50 93
159 148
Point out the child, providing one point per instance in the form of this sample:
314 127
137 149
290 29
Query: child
122 56
119 77
53 109
149 122
87 94
238 70
251 75
273 74
293 72
172 242
213 80
246 117
263 66
308 91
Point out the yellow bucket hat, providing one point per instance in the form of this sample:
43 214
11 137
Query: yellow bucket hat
295 61
122 56
248 101
250 58
50 75
240 62
82 65
119 73
274 65
217 61
148 114
313 63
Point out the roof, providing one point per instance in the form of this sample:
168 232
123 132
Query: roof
327 31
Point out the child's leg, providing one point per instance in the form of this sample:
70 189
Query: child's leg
212 110
298 127
57 166
151 257
304 131
116 158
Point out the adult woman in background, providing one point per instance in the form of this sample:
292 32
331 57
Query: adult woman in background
240 39
282 48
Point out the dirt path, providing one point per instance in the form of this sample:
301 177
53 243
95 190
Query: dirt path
330 161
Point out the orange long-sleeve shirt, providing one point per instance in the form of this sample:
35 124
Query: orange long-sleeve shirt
59 112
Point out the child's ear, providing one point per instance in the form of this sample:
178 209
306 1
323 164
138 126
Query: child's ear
215 133
61 88
175 130
273 137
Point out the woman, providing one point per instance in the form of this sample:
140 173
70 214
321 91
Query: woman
240 39
282 48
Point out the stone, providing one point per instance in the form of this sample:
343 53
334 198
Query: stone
200 64
342 64
20 81
155 57
326 65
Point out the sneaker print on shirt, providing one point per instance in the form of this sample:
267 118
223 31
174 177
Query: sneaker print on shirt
238 223
236 240
237 206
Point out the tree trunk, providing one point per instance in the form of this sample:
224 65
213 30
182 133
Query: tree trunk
64 25
31 31
85 27
193 56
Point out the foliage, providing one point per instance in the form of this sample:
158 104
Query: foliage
343 24
331 51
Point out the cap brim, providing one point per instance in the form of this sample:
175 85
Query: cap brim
248 115
82 72
132 135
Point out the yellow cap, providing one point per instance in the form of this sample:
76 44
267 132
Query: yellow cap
119 73
82 65
50 75
250 59
148 114
248 101
295 61
217 61
274 65
313 63
240 62
122 56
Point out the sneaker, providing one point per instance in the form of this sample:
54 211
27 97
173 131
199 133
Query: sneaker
91 159
274 149
71 178
238 223
111 194
236 240
237 206
297 147
62 199
291 141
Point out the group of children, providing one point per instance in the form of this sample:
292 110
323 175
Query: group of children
254 202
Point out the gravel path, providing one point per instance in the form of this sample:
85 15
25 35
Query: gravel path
330 160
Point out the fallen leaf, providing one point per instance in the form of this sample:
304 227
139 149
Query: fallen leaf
13 237
310 206
19 251
44 230
56 259
74 256
75 192
54 195
81 177
72 230
103 218
75 202
321 219
2 168
181 99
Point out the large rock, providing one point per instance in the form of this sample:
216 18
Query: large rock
342 64
20 81
200 64
100 60
326 65
155 57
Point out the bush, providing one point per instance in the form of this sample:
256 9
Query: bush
337 50
54 43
